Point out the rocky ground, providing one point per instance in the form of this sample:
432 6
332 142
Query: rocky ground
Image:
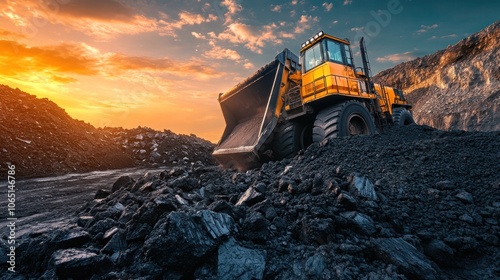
411 203
454 88
41 139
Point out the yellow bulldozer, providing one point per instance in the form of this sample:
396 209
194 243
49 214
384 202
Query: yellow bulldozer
291 103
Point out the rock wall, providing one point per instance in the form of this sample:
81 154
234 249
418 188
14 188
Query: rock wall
455 88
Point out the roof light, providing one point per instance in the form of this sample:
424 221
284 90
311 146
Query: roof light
312 39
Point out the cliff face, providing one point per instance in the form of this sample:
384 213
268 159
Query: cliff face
454 88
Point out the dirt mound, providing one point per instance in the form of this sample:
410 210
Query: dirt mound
411 203
41 139
454 88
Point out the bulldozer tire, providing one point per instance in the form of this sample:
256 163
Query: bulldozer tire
290 137
345 119
401 116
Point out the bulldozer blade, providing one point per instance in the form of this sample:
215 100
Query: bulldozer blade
249 112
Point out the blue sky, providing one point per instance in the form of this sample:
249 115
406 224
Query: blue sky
162 63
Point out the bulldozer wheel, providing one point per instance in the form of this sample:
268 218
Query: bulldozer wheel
345 119
401 116
290 137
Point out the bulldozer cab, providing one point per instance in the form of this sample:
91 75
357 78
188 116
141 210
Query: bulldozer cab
328 69
323 48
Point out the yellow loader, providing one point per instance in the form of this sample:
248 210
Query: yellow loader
291 103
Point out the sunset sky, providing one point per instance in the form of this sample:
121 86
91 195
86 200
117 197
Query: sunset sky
162 64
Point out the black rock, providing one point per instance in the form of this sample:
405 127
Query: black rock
72 237
405 257
109 233
166 202
465 197
464 246
100 193
361 186
148 213
255 227
102 226
187 238
138 232
317 231
237 262
348 201
261 187
184 183
117 243
360 222
283 184
315 265
85 221
223 206
123 182
439 252
78 263
250 197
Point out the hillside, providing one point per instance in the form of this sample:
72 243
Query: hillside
454 88
41 139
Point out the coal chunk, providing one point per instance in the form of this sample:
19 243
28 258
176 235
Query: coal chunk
122 182
405 257
100 193
439 252
237 262
78 263
250 197
187 238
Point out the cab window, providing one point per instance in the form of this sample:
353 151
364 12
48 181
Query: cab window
312 57
334 51
348 55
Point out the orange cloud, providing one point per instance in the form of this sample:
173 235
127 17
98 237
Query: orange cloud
218 52
17 59
232 9
193 68
71 58
253 39
305 23
9 34
102 20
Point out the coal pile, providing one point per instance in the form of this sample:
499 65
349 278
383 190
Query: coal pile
41 139
151 147
411 203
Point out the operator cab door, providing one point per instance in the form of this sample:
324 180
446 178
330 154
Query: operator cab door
328 69
340 64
